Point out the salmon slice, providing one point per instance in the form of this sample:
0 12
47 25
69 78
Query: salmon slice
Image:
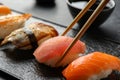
50 51
4 10
94 66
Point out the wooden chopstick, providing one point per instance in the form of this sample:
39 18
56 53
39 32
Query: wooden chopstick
80 14
85 27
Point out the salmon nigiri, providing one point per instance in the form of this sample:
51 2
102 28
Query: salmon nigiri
51 50
94 66
4 10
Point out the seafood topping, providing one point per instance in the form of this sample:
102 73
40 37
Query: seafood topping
11 22
31 36
94 66
51 51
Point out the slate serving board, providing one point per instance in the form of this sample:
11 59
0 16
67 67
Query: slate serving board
22 65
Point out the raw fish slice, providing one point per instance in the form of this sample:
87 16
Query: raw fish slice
11 22
50 51
94 66
4 10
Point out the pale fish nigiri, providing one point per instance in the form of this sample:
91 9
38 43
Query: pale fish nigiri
29 37
4 10
11 22
94 66
50 51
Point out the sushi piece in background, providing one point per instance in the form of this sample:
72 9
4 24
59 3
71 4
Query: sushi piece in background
29 37
51 51
94 66
11 22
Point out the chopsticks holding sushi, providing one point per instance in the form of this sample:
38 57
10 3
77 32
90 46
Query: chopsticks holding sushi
85 27
62 50
50 51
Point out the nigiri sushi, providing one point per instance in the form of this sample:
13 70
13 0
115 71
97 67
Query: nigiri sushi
4 10
30 36
10 22
51 50
94 66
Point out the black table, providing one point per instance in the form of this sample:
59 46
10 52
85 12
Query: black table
107 39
